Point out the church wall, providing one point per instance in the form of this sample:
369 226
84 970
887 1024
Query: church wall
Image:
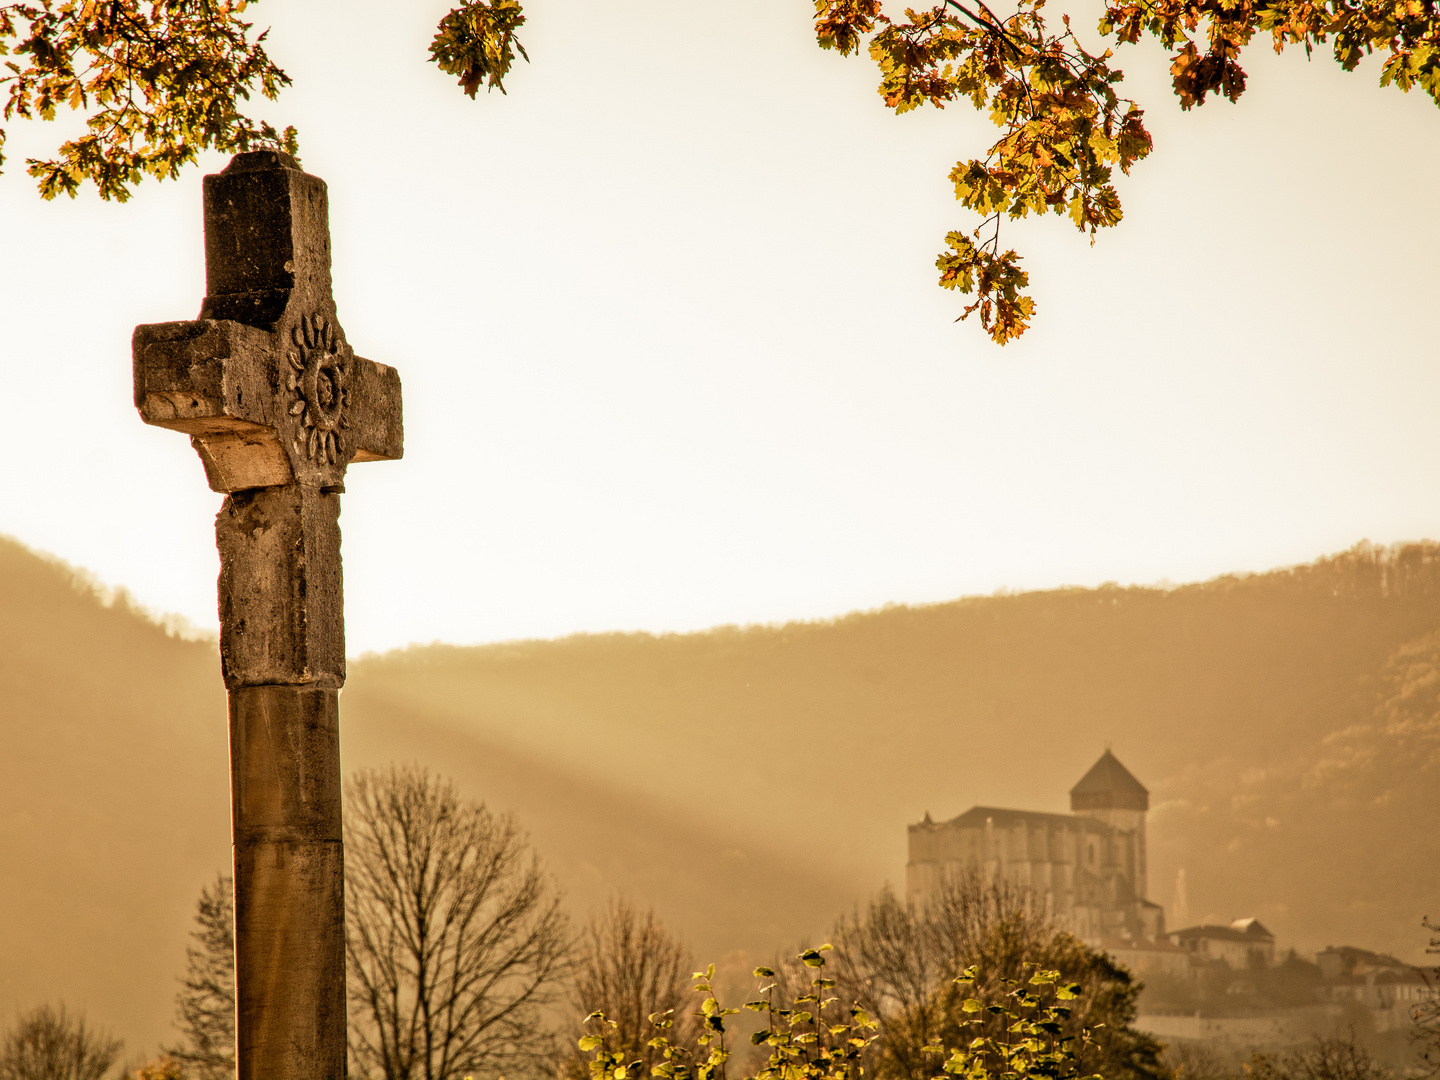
1043 857
1087 868
1130 824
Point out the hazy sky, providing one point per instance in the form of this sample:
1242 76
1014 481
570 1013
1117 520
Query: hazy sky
673 354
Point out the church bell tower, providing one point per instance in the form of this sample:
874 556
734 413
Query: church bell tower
1109 793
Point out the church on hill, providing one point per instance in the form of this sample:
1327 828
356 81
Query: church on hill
1088 866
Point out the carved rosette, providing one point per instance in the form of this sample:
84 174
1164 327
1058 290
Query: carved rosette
319 361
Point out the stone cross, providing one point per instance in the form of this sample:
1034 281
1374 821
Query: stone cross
277 404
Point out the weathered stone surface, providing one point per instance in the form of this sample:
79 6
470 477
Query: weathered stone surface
277 405
215 381
267 241
290 1019
265 382
289 882
281 590
265 408
285 765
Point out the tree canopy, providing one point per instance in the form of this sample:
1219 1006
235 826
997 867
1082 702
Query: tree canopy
158 81
916 970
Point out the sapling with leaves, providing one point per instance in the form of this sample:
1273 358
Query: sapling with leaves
809 1037
814 1036
1030 1040
630 967
676 1060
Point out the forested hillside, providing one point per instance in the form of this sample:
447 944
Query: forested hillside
1248 705
751 782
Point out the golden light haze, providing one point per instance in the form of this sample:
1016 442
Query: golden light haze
753 784
674 356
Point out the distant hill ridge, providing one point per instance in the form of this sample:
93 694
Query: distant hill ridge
752 781
831 736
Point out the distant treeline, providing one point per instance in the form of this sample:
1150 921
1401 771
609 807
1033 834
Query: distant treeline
1365 570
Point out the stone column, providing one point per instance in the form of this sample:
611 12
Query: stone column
277 405
282 651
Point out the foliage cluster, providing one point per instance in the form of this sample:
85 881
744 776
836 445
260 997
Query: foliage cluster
812 1035
157 80
1064 127
978 976
160 80
806 1036
476 42
901 963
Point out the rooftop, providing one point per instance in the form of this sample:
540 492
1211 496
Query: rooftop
1109 786
1250 931
977 817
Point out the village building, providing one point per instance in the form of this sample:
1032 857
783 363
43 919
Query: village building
1388 987
1245 943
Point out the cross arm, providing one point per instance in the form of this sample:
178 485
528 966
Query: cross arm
242 394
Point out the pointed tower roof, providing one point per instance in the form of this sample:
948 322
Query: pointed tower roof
1109 786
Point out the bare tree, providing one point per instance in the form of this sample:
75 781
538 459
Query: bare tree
456 940
1189 1060
898 961
46 1044
205 1005
1426 1031
631 968
1328 1058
